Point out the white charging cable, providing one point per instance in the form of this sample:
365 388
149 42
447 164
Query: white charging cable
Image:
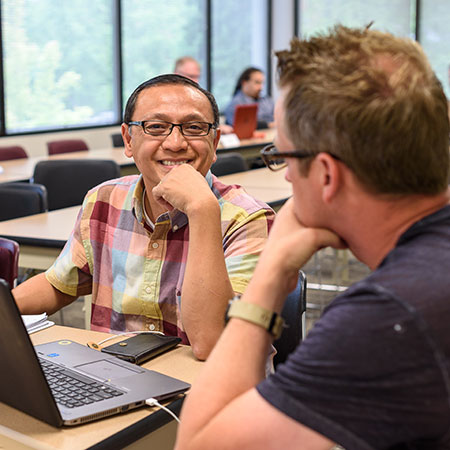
154 402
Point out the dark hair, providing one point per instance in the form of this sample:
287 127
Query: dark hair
245 76
169 78
371 99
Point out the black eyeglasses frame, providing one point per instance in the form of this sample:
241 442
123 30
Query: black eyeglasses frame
142 123
269 153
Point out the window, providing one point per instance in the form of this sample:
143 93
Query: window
155 34
68 64
434 35
57 62
239 40
394 16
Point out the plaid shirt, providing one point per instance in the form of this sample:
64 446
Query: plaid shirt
135 274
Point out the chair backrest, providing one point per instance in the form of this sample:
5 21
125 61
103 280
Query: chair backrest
66 146
22 199
293 313
68 181
228 163
9 261
117 140
12 152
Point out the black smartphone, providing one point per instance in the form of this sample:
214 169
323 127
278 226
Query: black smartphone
142 347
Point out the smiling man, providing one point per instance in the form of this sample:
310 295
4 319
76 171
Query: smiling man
166 250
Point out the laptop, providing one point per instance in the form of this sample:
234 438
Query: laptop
86 384
245 120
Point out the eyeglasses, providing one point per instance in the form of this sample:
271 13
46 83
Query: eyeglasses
274 159
163 128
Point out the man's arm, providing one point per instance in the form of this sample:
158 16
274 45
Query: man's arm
223 409
206 285
37 295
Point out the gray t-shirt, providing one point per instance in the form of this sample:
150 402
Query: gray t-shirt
374 371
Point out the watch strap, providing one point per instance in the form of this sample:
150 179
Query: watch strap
269 320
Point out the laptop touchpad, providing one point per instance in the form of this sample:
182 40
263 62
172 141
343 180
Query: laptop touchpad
108 370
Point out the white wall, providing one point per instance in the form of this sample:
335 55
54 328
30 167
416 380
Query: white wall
282 33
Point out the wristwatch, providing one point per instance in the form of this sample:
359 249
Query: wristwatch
269 320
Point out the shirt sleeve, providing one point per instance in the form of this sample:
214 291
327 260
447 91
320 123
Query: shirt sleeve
243 243
366 376
71 273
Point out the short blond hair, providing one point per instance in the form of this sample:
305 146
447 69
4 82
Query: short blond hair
373 100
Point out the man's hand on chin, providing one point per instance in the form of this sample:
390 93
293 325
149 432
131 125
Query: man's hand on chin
185 189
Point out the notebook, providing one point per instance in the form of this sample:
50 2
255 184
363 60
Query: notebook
245 120
113 385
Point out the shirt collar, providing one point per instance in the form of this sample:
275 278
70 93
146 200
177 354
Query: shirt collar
177 218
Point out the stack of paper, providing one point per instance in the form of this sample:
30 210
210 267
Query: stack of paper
36 322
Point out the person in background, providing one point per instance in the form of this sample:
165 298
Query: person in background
248 90
188 67
368 158
163 251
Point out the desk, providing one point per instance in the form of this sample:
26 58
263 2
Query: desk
250 148
112 432
264 184
42 236
22 169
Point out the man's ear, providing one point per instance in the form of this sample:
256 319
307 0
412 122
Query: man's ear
330 176
126 136
217 133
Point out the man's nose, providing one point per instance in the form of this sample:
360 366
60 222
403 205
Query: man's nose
175 141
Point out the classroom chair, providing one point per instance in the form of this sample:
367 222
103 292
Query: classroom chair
68 181
12 152
117 140
294 315
227 163
66 146
21 199
9 261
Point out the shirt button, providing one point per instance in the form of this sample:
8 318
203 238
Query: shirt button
148 289
151 327
175 228
155 245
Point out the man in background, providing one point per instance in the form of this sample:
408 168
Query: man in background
188 67
362 125
247 91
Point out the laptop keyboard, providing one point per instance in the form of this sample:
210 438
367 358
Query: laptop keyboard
72 389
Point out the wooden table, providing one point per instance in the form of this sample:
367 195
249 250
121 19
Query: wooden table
141 428
250 148
263 184
41 236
